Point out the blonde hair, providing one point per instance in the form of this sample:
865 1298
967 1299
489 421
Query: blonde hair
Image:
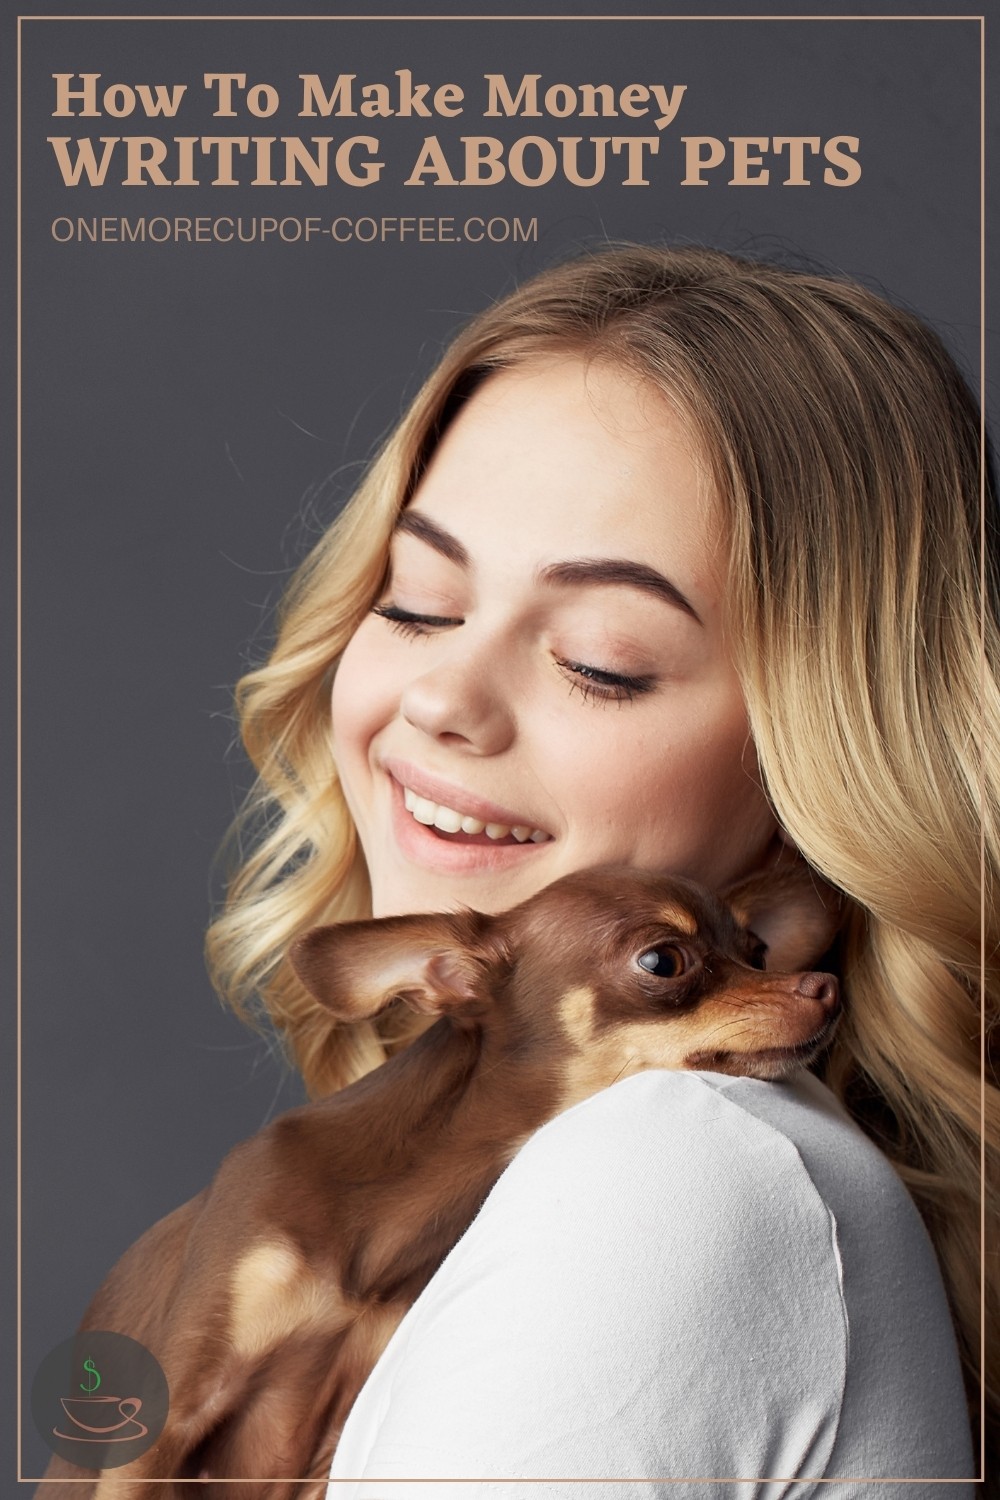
846 450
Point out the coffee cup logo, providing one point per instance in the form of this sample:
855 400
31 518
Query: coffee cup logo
99 1399
102 1419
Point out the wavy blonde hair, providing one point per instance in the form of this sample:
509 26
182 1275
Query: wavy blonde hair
863 621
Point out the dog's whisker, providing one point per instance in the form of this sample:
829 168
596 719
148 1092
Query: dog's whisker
623 1069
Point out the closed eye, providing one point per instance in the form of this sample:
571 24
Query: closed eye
407 623
594 682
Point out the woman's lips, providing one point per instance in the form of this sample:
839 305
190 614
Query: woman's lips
463 827
439 825
428 787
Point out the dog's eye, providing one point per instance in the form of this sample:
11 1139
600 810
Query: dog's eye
757 955
667 962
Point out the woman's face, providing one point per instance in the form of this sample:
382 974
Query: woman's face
548 657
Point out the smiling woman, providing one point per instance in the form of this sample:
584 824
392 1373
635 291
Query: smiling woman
672 563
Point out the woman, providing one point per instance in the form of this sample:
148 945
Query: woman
684 570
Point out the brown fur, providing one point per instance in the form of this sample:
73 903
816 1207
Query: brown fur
269 1297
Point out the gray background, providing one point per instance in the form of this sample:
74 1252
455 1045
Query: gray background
192 415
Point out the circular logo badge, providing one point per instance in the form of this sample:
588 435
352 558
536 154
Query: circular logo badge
99 1399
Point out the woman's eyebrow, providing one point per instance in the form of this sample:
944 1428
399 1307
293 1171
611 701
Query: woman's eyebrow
619 570
413 523
594 570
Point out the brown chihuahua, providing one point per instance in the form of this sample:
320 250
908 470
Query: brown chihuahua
268 1298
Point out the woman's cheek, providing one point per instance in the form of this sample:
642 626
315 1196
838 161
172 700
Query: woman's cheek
356 705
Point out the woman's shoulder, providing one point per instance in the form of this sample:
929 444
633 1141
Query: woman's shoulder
742 1174
691 1181
711 1142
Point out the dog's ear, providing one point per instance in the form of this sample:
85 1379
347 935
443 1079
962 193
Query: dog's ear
790 908
440 963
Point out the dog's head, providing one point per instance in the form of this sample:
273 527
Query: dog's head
621 969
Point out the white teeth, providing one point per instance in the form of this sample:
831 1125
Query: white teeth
423 810
448 820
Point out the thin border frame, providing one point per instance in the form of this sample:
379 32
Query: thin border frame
979 18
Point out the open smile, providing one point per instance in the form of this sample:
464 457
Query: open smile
450 821
444 826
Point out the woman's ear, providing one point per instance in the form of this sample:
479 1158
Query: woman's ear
790 908
438 962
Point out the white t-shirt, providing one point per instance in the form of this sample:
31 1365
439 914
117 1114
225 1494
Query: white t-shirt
688 1276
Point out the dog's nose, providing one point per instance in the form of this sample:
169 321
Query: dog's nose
821 987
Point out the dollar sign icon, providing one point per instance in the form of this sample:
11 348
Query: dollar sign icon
92 1372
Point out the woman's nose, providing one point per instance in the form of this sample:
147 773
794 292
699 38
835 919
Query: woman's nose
460 701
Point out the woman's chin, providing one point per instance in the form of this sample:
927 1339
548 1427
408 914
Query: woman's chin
400 892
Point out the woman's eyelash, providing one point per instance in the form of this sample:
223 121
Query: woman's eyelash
408 623
611 687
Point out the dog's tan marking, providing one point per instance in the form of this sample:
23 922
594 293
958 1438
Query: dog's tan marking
577 1010
630 1048
273 1294
680 919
